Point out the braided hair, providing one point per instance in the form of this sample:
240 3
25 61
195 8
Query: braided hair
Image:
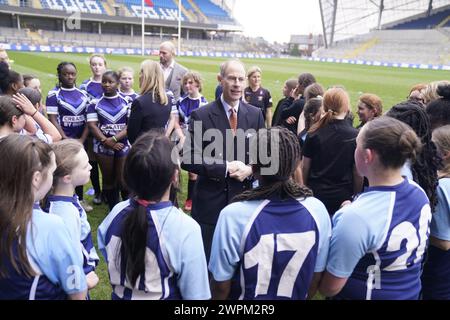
59 69
424 169
283 144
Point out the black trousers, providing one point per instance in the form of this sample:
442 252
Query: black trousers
207 236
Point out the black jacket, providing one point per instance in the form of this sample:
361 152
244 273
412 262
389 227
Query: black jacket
214 190
146 115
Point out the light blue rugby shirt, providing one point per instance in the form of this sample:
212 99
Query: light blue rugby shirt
53 256
378 242
238 218
440 223
181 244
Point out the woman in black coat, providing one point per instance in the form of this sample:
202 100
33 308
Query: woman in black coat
151 110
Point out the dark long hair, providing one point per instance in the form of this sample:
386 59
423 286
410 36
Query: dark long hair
424 169
8 77
148 172
439 109
283 144
20 157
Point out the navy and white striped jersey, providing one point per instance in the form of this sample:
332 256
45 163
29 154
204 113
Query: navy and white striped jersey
93 89
111 113
69 105
131 96
186 105
175 263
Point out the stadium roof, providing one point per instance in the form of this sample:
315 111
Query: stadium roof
346 18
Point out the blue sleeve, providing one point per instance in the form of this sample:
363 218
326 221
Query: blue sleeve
101 233
51 103
193 279
320 215
225 250
65 261
440 223
83 86
70 217
104 226
91 113
347 247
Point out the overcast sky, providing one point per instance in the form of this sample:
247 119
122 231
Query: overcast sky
276 20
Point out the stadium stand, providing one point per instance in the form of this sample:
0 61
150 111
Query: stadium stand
437 19
212 11
117 24
162 9
86 6
398 46
423 38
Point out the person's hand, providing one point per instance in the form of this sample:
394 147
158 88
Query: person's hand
24 104
182 140
109 143
293 93
92 279
242 173
233 166
118 146
345 203
291 120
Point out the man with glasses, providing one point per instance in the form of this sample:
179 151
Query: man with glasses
222 168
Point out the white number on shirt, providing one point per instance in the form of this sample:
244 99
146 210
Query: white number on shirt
262 255
406 231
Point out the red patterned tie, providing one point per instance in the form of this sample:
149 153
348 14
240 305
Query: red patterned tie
233 120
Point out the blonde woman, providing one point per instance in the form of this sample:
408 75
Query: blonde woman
430 92
257 96
151 110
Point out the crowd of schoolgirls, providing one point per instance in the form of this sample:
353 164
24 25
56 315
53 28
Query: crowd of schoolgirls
354 213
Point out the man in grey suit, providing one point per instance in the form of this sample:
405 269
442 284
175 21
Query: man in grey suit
173 72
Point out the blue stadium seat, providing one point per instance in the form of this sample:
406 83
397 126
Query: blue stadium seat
425 22
212 10
157 5
81 5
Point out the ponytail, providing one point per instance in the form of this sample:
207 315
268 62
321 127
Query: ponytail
132 251
323 122
335 101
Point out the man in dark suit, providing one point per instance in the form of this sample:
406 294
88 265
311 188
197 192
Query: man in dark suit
221 161
173 71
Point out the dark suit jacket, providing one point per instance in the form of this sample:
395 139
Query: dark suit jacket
146 115
173 82
214 190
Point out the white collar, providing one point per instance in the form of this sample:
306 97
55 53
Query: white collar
227 107
170 66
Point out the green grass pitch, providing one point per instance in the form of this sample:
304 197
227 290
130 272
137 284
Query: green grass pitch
391 84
